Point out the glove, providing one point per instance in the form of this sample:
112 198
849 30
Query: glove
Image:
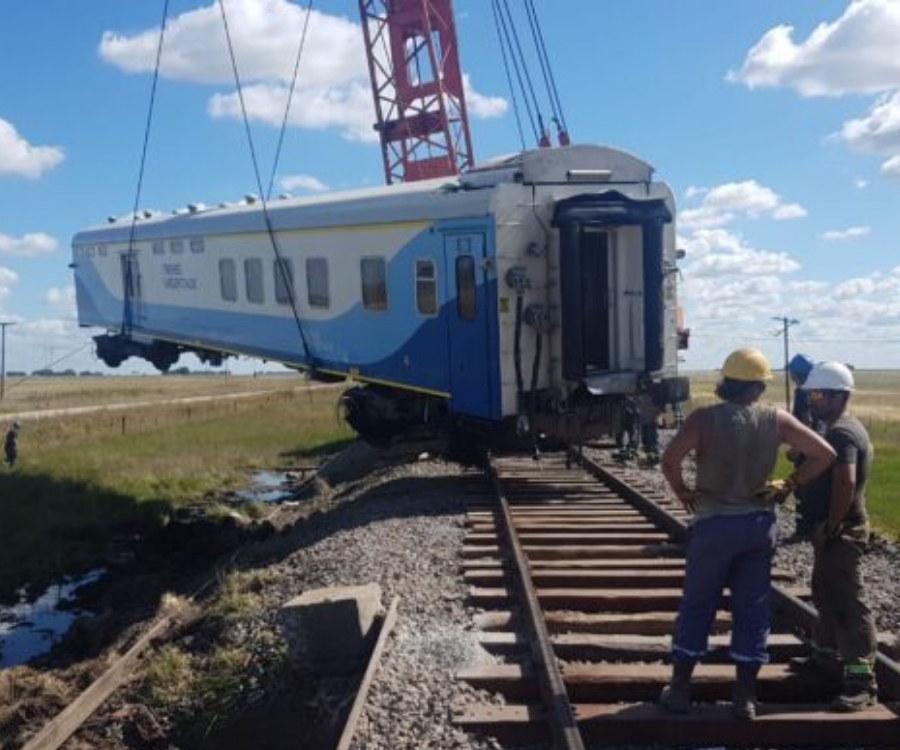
777 490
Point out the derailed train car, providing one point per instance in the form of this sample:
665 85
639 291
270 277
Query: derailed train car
528 296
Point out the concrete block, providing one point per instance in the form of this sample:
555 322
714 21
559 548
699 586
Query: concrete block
331 626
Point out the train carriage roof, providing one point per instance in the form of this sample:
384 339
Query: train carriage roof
443 198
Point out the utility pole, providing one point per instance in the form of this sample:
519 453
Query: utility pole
3 356
786 323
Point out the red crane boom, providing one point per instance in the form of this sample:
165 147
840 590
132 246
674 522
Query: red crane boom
416 80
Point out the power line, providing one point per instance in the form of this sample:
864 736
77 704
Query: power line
3 325
699 333
786 324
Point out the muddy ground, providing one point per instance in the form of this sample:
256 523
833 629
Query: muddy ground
189 558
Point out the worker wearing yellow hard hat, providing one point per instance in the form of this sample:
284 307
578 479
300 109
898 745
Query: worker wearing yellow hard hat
732 535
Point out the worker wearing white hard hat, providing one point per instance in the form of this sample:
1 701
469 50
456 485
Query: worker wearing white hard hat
836 505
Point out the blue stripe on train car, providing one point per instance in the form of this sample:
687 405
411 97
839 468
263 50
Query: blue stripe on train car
396 346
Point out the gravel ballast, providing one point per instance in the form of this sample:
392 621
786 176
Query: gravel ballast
401 526
411 547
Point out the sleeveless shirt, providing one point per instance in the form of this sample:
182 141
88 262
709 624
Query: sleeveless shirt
740 456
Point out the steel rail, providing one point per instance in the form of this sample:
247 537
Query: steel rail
563 726
887 670
359 703
609 598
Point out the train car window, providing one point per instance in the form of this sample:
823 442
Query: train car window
465 287
253 277
317 282
426 287
176 247
159 247
283 270
374 283
198 245
228 279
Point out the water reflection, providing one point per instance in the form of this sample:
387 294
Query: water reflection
268 487
29 629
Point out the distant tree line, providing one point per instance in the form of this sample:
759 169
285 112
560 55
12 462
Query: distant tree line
48 373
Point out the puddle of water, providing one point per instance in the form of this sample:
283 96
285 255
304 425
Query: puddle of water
29 629
267 487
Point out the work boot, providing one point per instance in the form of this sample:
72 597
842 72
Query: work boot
676 696
859 690
821 662
743 703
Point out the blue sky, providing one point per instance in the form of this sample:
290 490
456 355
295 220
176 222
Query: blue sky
776 122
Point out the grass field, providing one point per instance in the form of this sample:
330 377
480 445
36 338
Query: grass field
876 403
81 479
39 393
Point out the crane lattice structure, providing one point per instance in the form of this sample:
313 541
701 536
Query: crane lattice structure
416 80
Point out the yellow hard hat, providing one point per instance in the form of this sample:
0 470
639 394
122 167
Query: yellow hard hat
747 364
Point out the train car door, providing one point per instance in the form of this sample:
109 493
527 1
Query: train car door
594 298
470 360
132 296
611 260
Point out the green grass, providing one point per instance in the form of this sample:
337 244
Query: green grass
881 497
68 498
199 682
36 393
877 404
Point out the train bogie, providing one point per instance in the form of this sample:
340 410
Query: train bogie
527 296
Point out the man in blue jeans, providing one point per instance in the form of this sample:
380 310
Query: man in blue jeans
731 540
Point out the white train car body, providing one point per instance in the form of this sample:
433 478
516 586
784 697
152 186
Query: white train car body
536 291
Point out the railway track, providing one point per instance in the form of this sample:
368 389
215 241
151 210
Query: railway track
578 569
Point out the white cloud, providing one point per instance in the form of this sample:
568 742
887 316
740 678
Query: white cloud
332 89
28 245
8 279
349 108
265 35
718 252
62 300
891 168
49 328
855 320
724 204
877 286
19 157
788 211
731 290
856 54
303 182
830 62
481 106
851 233
879 131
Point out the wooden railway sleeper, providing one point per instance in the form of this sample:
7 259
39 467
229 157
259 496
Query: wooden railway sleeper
612 678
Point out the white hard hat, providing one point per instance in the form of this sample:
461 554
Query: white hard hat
829 376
